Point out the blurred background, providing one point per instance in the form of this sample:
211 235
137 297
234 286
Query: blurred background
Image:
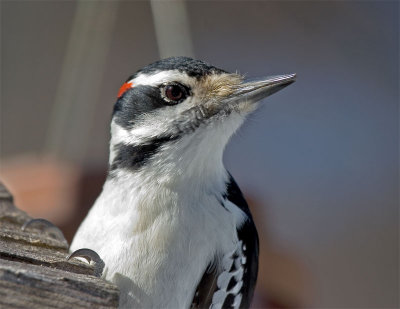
318 162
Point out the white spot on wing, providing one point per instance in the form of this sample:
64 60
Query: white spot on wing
219 298
237 301
223 280
227 262
217 306
235 259
236 288
238 274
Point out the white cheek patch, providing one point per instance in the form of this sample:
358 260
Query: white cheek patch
139 134
130 137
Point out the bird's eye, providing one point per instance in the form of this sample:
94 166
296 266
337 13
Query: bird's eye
174 93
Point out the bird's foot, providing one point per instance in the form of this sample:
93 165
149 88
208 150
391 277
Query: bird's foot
91 257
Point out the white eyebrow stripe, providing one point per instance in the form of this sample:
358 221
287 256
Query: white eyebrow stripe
159 78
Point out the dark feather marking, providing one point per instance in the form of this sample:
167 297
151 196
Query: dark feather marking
229 301
232 283
135 156
141 99
205 289
247 233
136 102
192 67
234 195
233 268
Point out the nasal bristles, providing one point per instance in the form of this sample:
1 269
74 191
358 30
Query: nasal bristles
220 85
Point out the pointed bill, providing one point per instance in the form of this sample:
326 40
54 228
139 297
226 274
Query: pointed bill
257 90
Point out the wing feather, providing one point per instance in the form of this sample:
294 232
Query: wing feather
233 285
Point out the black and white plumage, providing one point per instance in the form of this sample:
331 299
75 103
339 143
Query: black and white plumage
233 285
171 224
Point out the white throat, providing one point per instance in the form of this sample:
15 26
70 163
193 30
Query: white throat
160 220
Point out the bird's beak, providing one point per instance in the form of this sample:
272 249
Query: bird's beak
257 90
243 96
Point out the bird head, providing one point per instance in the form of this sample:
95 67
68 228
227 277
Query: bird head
179 112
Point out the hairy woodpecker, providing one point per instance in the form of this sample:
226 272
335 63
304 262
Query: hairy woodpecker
171 224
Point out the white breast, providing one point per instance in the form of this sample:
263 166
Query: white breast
156 243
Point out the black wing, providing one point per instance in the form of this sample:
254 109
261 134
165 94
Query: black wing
233 286
205 289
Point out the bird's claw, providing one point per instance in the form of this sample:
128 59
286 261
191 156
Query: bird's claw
90 256
45 226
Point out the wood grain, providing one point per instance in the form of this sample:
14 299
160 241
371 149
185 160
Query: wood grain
34 271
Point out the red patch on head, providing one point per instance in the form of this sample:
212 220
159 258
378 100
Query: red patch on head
124 88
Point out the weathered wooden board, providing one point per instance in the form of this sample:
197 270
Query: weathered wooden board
34 271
